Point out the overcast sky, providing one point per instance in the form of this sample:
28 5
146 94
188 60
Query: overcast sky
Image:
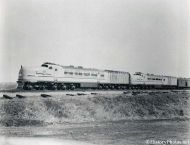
130 35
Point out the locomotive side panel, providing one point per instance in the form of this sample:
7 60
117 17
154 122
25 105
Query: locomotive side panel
77 76
188 83
138 79
172 81
27 74
103 77
116 77
183 83
156 80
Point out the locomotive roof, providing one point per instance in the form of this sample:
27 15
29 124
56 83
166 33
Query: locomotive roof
153 75
80 67
70 66
113 71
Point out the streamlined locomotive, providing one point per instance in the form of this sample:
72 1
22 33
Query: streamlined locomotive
54 76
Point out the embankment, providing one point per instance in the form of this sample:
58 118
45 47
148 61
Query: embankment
96 107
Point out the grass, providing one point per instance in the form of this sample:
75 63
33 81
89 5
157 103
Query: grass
96 107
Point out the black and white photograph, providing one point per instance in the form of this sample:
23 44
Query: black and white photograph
94 72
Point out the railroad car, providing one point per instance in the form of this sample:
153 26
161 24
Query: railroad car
141 80
115 80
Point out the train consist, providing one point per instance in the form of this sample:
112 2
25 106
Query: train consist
52 76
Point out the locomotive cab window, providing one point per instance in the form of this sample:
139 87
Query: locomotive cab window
50 67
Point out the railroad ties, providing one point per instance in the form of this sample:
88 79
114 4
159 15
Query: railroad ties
70 94
78 94
136 92
7 97
20 96
93 93
127 92
81 94
17 96
45 95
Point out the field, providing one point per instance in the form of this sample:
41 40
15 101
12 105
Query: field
94 117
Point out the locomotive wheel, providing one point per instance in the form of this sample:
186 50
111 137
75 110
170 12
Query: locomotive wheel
59 87
42 87
64 87
54 86
99 87
27 87
72 87
49 87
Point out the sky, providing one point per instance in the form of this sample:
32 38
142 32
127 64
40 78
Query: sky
150 36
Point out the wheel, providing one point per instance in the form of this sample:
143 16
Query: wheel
72 87
99 87
63 87
27 86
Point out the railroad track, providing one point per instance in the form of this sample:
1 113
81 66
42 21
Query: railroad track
47 94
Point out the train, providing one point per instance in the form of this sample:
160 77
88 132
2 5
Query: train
51 76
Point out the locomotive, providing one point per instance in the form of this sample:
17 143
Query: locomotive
53 76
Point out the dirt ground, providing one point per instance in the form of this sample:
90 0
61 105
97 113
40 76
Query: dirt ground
95 117
104 133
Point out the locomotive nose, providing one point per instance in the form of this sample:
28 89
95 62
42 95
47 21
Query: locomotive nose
20 76
26 73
